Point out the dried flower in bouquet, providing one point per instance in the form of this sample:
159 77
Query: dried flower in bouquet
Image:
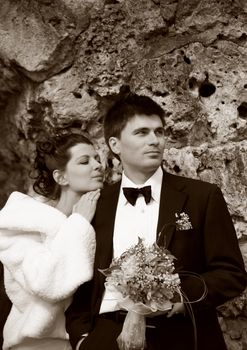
145 276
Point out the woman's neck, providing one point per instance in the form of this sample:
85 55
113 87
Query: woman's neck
66 202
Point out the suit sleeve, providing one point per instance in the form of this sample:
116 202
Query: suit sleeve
224 275
78 315
5 304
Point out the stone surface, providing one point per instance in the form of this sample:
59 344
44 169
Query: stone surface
64 62
10 81
38 37
224 165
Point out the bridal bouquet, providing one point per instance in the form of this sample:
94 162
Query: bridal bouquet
146 279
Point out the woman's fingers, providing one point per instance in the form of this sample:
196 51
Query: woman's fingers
92 195
86 205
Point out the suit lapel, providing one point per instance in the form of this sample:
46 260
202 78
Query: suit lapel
105 225
172 200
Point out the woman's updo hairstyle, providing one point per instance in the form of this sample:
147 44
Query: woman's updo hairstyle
53 154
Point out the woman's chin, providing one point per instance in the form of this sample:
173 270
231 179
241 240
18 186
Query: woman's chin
98 185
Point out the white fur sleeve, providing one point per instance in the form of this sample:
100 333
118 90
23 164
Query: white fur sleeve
51 270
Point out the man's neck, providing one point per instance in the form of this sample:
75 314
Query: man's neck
139 178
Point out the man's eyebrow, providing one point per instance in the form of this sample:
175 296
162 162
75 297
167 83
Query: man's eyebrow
144 128
159 128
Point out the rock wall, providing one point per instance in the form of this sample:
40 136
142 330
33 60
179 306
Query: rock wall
64 62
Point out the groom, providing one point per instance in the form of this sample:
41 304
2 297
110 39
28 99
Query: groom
134 132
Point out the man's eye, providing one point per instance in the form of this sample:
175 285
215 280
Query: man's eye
141 132
160 132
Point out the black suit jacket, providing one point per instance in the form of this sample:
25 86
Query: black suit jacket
209 249
5 305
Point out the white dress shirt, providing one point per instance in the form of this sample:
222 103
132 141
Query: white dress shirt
132 222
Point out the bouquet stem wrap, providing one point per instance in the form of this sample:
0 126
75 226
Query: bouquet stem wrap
132 336
143 280
133 333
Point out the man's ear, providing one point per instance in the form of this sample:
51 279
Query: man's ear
60 177
114 145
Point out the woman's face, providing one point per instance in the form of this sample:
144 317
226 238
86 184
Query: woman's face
83 171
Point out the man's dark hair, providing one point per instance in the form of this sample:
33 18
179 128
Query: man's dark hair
125 109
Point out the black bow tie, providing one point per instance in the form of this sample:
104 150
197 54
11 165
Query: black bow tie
131 194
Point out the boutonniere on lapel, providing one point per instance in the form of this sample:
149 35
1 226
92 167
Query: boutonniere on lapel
182 222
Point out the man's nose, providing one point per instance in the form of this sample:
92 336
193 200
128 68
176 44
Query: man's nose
153 138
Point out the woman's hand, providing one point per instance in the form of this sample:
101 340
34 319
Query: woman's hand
86 205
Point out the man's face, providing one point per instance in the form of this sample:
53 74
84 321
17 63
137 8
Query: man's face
141 144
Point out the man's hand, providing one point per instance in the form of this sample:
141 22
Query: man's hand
177 308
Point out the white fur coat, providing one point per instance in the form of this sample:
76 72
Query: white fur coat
46 256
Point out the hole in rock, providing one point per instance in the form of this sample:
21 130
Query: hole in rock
207 89
176 168
242 110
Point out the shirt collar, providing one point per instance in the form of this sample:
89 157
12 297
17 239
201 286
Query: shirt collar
154 181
